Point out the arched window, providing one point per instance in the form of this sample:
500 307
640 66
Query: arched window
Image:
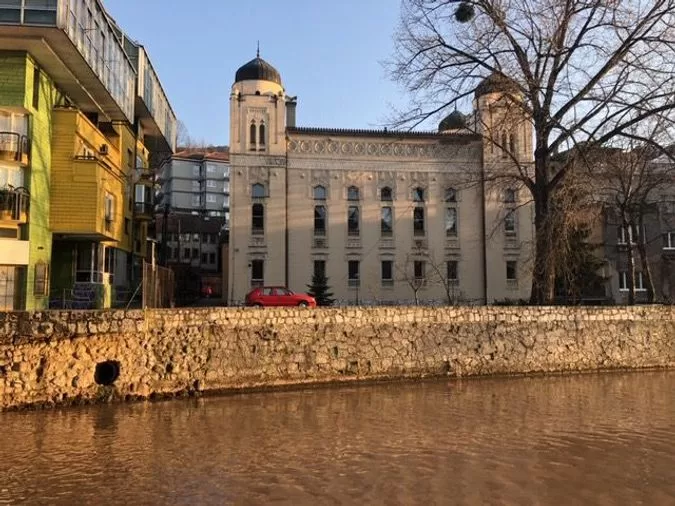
385 194
319 192
258 191
418 194
261 136
512 144
252 136
504 146
257 219
450 195
352 193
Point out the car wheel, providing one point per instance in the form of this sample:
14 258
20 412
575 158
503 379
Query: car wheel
257 304
303 304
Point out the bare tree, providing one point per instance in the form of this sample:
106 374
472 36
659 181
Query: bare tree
631 184
413 273
586 72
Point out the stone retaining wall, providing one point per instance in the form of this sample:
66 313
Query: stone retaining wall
69 356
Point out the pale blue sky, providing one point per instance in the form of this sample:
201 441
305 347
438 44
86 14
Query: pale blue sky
329 54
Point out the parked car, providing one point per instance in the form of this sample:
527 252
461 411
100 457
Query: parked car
278 296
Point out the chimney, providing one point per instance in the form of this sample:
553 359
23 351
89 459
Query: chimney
291 103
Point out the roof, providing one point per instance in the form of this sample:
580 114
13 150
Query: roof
496 83
219 153
401 134
454 121
257 70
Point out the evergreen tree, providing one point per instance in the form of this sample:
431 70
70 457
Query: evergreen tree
320 291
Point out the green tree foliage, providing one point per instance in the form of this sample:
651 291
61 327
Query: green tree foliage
320 290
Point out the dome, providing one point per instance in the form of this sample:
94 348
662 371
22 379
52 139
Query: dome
496 83
454 121
257 70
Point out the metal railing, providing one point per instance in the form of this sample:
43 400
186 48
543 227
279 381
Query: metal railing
14 203
15 145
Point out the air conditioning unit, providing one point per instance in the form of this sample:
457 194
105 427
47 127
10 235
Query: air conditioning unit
103 149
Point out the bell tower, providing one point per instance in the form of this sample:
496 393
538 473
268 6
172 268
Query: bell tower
257 110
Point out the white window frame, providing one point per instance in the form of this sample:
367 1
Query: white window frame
670 240
210 183
196 200
639 282
211 199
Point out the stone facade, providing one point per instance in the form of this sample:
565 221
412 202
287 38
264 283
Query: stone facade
77 356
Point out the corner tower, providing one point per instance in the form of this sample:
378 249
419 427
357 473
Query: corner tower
257 110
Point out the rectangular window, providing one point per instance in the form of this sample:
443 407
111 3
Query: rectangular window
387 272
186 253
210 183
451 222
211 199
511 270
353 221
196 170
205 238
196 186
257 219
419 268
257 272
386 222
453 270
41 280
320 268
195 253
353 272
205 258
669 240
210 169
36 87
630 234
418 221
510 223
639 282
319 221
212 258
196 201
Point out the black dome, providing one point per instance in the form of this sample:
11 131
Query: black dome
257 70
454 121
496 83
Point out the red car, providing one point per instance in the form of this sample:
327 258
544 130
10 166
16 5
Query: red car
278 296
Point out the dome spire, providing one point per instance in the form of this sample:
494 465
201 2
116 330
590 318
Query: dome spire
257 53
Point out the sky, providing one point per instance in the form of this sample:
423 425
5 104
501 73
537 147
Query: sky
329 54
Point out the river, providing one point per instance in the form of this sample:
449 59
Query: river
576 439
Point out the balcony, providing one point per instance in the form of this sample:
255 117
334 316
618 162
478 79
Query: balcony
14 205
144 211
14 147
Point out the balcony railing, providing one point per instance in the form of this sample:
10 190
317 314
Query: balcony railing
14 204
14 147
144 209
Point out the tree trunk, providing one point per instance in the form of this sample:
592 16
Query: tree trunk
644 261
630 260
543 274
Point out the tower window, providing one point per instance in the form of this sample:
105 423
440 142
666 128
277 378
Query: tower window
418 221
319 192
319 220
352 193
252 134
261 137
257 272
418 194
258 191
385 194
353 221
450 195
386 222
257 219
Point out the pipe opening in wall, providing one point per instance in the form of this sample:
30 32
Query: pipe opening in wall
107 372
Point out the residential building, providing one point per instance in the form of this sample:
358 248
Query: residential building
83 125
389 217
193 215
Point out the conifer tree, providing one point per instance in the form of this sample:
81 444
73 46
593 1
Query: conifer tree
320 291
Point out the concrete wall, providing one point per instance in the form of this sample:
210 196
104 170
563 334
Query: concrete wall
50 357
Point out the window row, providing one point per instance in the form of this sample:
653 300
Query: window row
451 224
389 272
633 235
418 194
189 254
186 237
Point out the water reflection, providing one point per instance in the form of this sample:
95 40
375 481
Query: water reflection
592 439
